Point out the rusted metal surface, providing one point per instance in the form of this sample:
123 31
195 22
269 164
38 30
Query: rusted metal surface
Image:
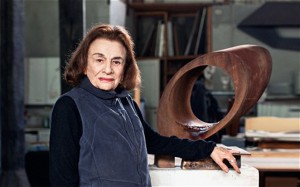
249 67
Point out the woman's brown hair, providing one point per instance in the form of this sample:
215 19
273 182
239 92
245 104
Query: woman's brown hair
74 70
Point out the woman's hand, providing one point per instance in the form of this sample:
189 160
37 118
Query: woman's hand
221 153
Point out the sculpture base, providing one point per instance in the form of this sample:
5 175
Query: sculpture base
208 163
162 177
162 161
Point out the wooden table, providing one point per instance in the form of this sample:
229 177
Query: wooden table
280 167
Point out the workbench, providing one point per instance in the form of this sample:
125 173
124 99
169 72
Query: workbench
277 154
280 167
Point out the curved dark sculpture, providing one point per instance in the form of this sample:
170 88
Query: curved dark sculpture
249 67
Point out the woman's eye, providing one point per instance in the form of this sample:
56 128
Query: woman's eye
116 62
99 60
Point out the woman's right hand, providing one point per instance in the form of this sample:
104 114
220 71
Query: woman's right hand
221 153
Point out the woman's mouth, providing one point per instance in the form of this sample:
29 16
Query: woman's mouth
103 79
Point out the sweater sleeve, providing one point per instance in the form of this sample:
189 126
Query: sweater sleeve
65 133
174 146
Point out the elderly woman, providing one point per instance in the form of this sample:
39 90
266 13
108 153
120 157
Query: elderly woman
98 135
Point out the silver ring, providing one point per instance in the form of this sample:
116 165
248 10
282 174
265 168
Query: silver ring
231 161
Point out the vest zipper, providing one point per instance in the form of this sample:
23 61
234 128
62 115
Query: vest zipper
135 144
138 153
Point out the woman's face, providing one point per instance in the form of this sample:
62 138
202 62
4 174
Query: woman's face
106 62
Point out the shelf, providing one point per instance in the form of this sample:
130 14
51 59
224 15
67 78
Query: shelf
181 57
173 33
170 7
287 98
170 58
223 93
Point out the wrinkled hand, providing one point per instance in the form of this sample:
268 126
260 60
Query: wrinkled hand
221 153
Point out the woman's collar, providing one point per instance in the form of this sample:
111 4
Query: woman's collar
117 93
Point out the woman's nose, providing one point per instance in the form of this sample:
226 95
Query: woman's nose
108 68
